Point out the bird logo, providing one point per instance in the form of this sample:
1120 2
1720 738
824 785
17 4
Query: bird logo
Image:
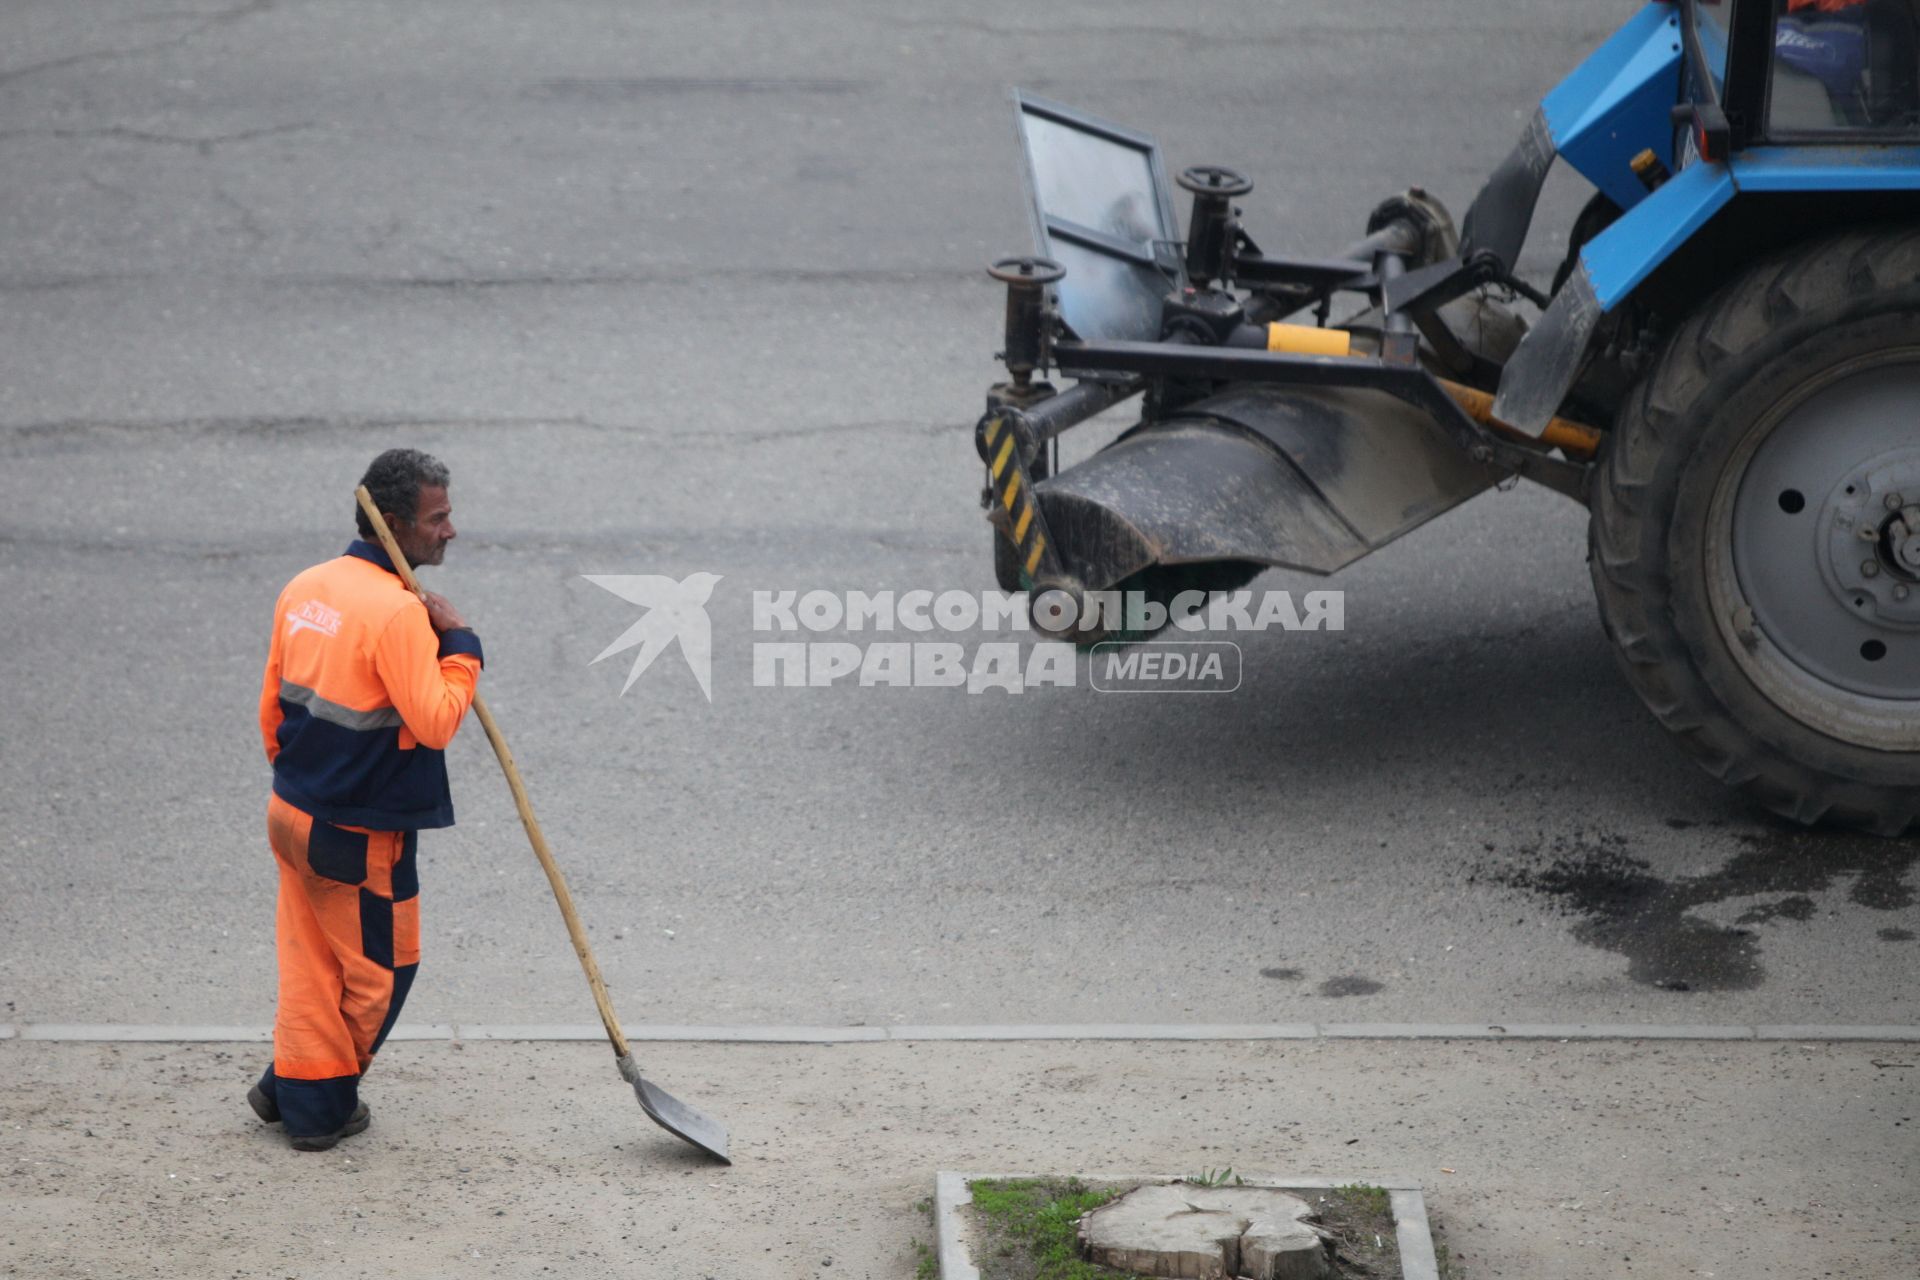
675 610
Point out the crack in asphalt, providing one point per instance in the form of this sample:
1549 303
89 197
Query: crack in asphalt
58 284
207 22
1295 34
70 436
250 225
706 542
126 133
671 276
109 189
620 88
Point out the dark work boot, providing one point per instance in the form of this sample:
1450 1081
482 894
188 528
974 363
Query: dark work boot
263 1106
356 1122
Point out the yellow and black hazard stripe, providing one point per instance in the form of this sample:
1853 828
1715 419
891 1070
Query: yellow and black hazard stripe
1019 517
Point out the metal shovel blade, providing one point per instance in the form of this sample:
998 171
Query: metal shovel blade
676 1117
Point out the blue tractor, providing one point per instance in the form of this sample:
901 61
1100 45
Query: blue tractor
1725 371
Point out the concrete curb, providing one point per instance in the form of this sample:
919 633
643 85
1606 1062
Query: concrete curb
126 1033
515 1031
1112 1031
664 1034
1534 1031
672 1034
950 1194
1412 1232
1907 1034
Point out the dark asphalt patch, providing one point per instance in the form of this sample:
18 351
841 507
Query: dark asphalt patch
1624 908
1336 988
1285 975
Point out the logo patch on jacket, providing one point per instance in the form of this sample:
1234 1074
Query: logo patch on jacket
313 616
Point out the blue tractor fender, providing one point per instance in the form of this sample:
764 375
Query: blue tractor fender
1612 107
1618 103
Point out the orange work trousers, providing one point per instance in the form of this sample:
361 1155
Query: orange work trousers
348 930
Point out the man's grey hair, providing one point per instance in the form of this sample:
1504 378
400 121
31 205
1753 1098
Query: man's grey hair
395 479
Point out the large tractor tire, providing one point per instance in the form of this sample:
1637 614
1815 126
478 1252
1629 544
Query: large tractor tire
1755 541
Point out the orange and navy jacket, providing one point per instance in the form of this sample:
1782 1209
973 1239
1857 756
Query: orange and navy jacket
361 697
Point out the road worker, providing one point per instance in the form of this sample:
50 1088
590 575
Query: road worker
365 686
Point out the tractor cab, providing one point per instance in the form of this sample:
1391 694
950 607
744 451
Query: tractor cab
1835 68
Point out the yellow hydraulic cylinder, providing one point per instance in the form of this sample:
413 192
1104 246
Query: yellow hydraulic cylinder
1571 438
1307 340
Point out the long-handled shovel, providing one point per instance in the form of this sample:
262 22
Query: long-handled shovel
676 1117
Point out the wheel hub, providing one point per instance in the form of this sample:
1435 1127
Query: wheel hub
1873 540
1824 552
1901 542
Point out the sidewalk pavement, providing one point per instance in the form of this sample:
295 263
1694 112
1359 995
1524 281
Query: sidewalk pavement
1539 1159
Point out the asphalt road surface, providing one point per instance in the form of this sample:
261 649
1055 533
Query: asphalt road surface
699 288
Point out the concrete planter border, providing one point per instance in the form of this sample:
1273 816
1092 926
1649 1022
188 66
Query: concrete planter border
1412 1232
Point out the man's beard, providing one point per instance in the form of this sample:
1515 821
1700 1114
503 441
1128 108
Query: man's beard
420 557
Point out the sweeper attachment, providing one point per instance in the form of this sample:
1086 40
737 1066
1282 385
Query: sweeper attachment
1725 370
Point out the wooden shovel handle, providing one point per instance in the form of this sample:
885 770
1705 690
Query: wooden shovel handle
520 801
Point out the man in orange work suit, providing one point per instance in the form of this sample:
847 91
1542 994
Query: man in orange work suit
364 688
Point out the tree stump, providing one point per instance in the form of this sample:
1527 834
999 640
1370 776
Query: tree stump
1206 1233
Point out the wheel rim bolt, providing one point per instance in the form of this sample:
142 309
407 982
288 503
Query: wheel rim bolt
1870 568
1895 502
1901 593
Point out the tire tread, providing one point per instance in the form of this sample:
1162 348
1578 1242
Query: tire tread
1632 500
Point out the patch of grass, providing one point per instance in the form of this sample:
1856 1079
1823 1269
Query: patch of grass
1363 1198
1215 1178
1359 1217
1033 1223
927 1262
